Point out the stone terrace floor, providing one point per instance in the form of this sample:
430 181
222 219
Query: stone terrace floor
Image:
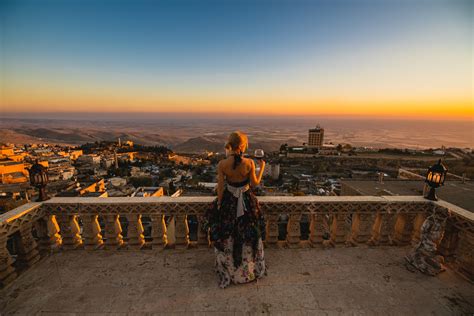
350 281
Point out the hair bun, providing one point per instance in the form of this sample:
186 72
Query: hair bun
237 140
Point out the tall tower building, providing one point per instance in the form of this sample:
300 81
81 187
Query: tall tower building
316 137
116 159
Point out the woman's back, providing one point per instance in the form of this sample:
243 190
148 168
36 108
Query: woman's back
241 171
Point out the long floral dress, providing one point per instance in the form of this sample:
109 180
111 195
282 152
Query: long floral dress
238 242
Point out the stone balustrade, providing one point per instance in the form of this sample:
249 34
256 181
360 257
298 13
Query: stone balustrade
36 229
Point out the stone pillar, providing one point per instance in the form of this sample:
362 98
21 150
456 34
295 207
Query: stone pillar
293 236
27 248
317 227
41 227
271 233
92 236
383 229
362 228
70 231
450 240
170 232
404 228
418 222
182 231
158 230
55 239
202 236
338 228
113 232
136 239
7 272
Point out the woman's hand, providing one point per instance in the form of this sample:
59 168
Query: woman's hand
255 178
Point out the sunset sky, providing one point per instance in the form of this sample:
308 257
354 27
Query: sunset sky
341 57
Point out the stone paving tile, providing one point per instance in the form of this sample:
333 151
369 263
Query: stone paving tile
340 281
231 299
274 298
163 299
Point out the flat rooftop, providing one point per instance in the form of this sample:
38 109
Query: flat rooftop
300 281
455 192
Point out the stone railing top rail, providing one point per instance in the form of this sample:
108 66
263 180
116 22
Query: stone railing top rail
209 199
19 212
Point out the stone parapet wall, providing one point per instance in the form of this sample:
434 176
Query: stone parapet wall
61 224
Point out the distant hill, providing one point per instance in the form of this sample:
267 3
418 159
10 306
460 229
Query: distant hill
76 136
175 137
199 144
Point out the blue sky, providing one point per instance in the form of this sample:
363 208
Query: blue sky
253 52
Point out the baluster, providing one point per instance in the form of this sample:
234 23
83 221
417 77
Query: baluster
41 227
271 234
113 232
92 237
181 231
383 228
404 228
7 272
448 244
315 229
202 237
362 227
70 231
136 239
418 222
27 248
338 228
55 239
158 230
171 232
293 236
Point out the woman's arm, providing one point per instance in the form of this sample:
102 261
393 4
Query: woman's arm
254 178
220 183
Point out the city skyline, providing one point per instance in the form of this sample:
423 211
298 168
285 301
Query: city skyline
343 58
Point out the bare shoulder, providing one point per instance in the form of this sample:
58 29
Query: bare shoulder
249 162
223 163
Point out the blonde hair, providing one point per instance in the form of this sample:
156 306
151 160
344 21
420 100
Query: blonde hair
237 141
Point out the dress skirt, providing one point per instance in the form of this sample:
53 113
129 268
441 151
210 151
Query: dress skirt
238 244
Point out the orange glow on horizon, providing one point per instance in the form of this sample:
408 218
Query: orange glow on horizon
73 98
436 110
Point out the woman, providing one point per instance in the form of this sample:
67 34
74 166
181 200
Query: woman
235 221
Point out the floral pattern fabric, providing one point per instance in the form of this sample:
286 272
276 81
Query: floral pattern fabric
238 242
